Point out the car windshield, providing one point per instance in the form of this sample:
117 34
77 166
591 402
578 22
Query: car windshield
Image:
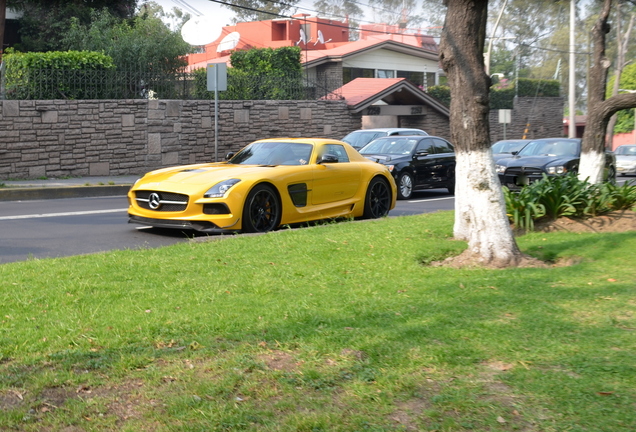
626 151
390 146
507 146
273 153
557 147
360 139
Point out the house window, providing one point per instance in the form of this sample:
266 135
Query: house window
385 73
349 74
416 78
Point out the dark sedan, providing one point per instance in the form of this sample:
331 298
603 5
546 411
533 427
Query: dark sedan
416 162
549 156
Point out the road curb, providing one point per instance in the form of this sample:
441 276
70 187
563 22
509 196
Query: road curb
39 193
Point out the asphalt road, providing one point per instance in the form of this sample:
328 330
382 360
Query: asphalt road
75 226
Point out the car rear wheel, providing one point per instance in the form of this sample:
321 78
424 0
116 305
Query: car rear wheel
262 210
405 186
378 199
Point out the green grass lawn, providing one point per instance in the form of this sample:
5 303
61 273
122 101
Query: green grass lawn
341 327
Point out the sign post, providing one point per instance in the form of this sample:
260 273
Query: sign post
217 81
504 117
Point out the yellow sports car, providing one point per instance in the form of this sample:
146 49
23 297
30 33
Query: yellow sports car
267 184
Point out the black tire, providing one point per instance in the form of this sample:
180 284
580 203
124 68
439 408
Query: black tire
405 186
377 201
262 210
451 182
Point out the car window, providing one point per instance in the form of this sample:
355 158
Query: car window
425 145
273 153
559 147
442 146
360 139
626 150
336 150
409 132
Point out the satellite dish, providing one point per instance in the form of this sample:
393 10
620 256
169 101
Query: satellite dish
200 31
303 37
321 38
229 42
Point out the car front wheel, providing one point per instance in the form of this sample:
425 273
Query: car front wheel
262 210
405 186
378 199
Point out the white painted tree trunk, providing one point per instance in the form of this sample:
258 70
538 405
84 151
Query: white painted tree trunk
591 166
480 210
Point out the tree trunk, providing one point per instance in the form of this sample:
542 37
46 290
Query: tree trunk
599 110
480 212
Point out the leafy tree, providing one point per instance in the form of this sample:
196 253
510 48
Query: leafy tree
480 208
44 22
599 109
259 10
143 42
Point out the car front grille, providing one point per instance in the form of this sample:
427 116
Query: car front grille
527 171
161 201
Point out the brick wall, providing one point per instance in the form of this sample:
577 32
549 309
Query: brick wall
543 118
123 137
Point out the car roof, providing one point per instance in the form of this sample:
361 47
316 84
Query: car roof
388 130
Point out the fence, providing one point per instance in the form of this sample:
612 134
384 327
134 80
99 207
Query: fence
54 84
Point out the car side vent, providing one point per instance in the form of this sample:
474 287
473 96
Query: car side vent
298 194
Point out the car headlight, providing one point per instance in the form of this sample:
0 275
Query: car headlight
219 189
559 169
500 169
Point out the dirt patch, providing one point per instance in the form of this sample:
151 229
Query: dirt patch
619 221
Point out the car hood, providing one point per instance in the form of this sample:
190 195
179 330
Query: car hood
205 175
386 158
625 158
534 161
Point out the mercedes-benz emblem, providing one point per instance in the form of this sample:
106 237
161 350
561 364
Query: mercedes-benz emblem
154 201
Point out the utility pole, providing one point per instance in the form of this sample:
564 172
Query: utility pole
3 16
572 79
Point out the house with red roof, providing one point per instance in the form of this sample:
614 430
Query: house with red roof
383 75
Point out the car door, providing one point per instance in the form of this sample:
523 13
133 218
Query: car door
424 161
335 181
444 166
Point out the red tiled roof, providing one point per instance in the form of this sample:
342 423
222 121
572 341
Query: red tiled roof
361 89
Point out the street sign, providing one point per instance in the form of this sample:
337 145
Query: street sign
217 76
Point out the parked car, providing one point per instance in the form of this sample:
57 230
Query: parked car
626 159
268 183
549 156
416 162
362 137
507 148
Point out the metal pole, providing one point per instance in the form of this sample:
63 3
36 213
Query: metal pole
572 84
216 117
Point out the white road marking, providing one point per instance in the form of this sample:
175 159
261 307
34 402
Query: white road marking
47 215
432 199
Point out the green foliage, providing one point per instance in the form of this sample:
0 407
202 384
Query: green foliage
43 23
23 73
503 97
441 93
559 196
258 61
143 43
257 74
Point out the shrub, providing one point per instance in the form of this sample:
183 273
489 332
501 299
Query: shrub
560 196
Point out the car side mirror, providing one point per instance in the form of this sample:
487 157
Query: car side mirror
328 158
229 155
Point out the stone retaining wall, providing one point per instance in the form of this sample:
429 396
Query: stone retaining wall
61 138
